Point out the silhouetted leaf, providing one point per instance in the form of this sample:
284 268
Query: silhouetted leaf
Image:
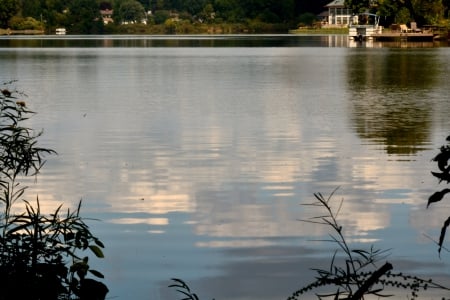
363 253
97 251
180 283
436 197
442 158
184 289
442 176
99 243
96 273
442 236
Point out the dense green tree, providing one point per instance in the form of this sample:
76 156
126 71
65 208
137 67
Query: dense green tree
207 14
252 8
403 16
307 19
158 4
229 10
28 23
130 11
387 9
31 8
315 7
430 11
446 4
160 16
105 5
83 17
393 11
194 7
420 11
271 11
145 4
50 12
8 8
287 10
173 4
358 6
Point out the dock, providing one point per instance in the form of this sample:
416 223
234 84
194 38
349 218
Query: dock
398 32
401 32
405 36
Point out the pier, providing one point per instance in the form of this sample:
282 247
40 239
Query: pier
405 36
402 33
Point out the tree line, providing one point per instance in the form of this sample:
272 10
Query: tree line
423 12
83 16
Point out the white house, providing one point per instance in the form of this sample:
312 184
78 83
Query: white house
107 16
338 14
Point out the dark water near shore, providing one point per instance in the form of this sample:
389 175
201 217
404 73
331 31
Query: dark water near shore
196 152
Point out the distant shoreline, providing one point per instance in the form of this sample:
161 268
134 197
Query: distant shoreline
315 31
224 29
21 32
230 29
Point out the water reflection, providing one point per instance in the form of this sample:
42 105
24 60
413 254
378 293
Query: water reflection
197 159
391 101
222 40
395 44
146 41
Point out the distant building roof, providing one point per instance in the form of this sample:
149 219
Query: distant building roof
324 14
105 12
336 3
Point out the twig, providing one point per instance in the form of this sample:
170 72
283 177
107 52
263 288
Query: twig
369 282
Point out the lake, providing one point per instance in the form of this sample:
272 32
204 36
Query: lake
196 153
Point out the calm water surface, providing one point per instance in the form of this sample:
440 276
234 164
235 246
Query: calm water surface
197 153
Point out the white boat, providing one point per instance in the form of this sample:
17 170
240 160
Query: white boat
359 32
60 31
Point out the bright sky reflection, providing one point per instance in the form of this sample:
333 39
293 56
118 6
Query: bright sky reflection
197 160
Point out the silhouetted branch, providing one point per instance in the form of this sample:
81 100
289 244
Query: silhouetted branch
372 279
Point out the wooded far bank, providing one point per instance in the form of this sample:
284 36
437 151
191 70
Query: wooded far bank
200 16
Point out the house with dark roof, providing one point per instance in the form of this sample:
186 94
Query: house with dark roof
338 14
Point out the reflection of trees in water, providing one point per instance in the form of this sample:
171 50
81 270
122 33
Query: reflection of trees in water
389 97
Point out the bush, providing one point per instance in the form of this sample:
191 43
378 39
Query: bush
355 273
28 23
307 19
40 255
256 26
160 16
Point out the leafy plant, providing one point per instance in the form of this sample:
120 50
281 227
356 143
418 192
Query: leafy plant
442 161
350 276
358 274
39 254
19 154
183 289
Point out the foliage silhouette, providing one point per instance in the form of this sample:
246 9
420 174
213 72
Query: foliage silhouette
358 274
442 161
39 254
183 289
352 276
